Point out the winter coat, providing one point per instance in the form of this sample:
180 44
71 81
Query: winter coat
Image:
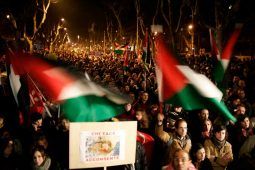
178 143
164 136
247 146
211 151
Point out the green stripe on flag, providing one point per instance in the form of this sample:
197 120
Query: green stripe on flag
90 108
219 72
190 99
118 52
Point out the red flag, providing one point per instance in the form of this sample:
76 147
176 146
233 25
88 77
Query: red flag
36 100
227 51
172 80
125 57
148 143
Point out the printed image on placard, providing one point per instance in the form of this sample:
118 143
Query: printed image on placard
101 146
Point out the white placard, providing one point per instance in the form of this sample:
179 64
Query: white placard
102 144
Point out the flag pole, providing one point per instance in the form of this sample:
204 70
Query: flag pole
44 105
59 110
37 88
104 43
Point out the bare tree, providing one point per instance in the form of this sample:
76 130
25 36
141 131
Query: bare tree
168 19
39 17
54 36
156 12
117 9
223 16
167 8
222 20
139 22
109 26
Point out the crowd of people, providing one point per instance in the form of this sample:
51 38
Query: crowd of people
198 139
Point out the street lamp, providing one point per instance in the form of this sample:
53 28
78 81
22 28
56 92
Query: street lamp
8 16
191 32
190 27
78 37
156 29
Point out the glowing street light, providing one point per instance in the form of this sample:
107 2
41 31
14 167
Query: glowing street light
191 32
8 16
78 37
156 29
61 22
190 27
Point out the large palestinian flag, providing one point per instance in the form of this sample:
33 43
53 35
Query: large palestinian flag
81 100
180 85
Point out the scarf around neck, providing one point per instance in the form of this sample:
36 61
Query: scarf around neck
45 165
219 144
183 141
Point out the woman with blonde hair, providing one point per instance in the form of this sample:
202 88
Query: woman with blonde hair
142 120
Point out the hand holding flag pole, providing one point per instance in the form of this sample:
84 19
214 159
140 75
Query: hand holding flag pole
41 97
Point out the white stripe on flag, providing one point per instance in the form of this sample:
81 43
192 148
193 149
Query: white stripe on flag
15 84
203 85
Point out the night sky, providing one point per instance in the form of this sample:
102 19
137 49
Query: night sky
81 14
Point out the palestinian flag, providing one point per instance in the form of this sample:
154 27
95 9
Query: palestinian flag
81 100
120 49
225 57
180 85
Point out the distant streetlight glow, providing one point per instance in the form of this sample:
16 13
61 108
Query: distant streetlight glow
8 16
190 27
191 32
62 19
